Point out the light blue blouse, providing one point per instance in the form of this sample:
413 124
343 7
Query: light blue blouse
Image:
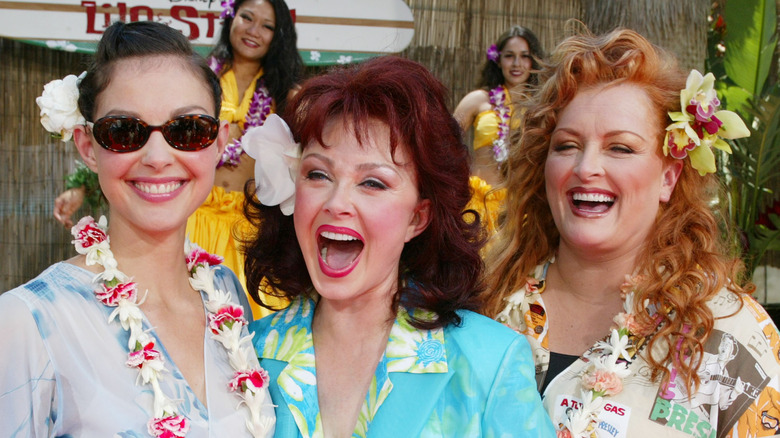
476 379
63 370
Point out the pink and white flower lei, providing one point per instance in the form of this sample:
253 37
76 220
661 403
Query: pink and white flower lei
225 320
609 366
259 109
498 99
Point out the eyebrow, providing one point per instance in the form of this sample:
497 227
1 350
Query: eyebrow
614 133
361 167
191 109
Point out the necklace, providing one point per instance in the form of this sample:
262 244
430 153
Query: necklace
225 321
609 360
498 99
259 109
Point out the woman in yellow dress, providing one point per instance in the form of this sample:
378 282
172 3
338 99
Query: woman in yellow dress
511 66
259 66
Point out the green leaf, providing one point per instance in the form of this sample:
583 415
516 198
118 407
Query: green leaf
753 169
765 238
733 98
750 42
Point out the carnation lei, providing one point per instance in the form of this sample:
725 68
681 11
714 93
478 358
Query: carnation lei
610 360
225 320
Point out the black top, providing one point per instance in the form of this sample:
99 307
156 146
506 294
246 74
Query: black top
558 363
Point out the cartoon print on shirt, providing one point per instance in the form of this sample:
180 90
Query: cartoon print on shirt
731 380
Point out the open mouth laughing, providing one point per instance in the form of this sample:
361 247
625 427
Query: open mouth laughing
339 250
592 202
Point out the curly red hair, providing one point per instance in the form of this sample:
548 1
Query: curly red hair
685 261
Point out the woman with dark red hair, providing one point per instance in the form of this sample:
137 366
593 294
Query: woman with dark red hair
366 237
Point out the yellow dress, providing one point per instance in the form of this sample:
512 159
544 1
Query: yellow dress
216 223
485 199
487 202
485 129
234 110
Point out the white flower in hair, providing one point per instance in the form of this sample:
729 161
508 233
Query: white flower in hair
276 162
59 106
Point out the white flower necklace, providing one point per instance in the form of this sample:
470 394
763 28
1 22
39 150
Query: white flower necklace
225 320
498 99
609 359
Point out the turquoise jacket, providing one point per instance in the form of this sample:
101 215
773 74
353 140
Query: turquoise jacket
475 379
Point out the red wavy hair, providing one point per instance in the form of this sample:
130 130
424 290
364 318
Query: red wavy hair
685 261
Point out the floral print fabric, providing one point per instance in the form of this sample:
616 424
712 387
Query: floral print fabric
68 375
740 374
472 380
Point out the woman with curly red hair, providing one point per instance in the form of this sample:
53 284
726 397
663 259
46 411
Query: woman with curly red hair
609 230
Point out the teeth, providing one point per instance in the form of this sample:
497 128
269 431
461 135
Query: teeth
157 189
592 197
337 236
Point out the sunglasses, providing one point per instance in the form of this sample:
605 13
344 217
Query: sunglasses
189 132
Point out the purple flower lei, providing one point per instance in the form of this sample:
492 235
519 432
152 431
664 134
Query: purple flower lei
497 97
259 109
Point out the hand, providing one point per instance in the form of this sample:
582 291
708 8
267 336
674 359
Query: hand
67 203
739 386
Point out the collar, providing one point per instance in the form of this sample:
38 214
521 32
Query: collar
409 350
287 338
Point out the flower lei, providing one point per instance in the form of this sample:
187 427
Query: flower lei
498 99
259 109
699 126
609 359
609 366
225 320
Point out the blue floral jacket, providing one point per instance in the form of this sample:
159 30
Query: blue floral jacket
475 379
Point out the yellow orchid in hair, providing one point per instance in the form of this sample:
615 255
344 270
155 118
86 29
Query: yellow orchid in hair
700 126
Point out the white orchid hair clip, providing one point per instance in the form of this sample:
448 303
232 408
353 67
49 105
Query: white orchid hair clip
59 106
700 126
276 162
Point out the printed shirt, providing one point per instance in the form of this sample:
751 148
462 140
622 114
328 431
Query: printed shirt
64 372
437 387
740 373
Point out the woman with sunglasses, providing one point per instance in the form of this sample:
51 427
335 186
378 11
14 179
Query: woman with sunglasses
258 65
142 333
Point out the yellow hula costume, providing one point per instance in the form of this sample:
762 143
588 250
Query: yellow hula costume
485 199
215 223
